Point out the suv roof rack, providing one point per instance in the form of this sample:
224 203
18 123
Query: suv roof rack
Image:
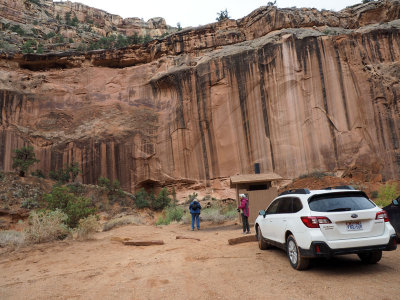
295 191
340 187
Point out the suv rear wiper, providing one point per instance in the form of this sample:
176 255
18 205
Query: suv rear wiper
341 209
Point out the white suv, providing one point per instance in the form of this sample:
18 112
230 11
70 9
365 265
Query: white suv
323 223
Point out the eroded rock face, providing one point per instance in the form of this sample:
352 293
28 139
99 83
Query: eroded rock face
45 22
295 96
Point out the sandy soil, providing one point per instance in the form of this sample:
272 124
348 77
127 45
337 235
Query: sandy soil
186 269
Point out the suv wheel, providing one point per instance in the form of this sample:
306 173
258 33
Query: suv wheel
262 243
296 260
370 257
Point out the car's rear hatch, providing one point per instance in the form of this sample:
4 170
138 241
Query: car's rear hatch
351 213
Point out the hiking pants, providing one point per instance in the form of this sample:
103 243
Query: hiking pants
197 217
245 221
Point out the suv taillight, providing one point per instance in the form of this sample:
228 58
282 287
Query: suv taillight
313 222
382 215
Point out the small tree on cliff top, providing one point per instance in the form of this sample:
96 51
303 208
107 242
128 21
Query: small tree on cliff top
222 15
23 159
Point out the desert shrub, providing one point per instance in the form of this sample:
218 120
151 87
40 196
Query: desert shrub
104 182
11 238
114 190
40 49
74 207
6 46
386 194
30 203
212 215
125 220
142 200
60 175
49 35
76 188
230 212
23 159
171 213
28 46
192 197
45 226
162 200
58 198
87 227
38 173
78 208
63 175
18 29
222 15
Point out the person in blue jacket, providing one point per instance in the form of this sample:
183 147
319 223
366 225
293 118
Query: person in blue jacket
195 209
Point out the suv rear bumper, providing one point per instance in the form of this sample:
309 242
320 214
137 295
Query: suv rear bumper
321 249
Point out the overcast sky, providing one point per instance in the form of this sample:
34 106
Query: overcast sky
201 12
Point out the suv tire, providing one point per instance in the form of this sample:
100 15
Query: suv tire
262 243
297 261
370 257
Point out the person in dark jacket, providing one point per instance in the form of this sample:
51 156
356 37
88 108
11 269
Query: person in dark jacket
244 206
195 209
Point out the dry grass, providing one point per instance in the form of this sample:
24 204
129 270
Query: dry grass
46 226
11 239
215 215
87 227
125 220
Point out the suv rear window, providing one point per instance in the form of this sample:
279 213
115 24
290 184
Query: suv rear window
340 202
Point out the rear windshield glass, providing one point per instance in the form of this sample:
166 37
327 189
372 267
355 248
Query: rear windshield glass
340 202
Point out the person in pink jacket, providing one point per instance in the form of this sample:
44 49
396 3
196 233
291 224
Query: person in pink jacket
244 206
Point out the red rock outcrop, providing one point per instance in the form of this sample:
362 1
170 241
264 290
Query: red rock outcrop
294 90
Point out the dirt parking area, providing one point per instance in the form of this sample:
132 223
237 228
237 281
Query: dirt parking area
186 269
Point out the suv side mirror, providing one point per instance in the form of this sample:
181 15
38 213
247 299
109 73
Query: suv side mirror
262 213
395 202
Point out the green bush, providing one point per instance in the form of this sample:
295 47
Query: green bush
113 189
162 200
28 47
386 194
18 29
222 15
39 49
38 173
23 159
30 203
142 199
171 213
46 226
76 188
70 172
49 35
74 207
192 197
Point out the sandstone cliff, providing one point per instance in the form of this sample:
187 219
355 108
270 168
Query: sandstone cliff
295 90
60 26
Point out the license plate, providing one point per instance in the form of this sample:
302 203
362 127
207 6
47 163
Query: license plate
354 226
